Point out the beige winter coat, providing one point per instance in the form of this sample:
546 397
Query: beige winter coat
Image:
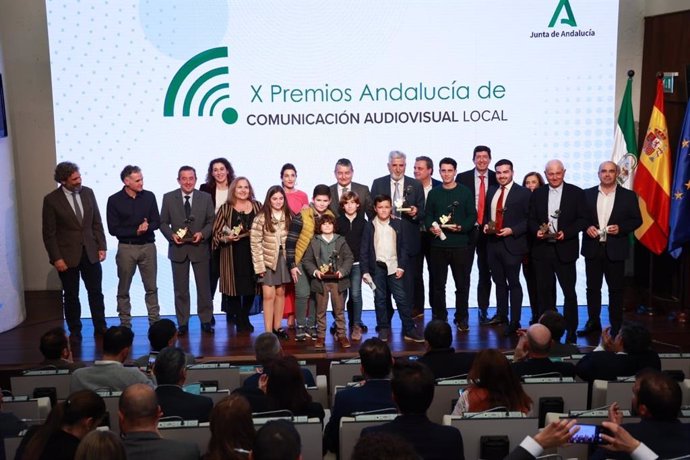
266 245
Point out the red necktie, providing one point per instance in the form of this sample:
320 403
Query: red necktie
499 210
482 200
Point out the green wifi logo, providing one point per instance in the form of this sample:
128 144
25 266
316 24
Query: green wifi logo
217 94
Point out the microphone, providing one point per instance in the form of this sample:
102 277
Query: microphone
385 410
275 413
452 377
667 344
543 374
493 409
574 414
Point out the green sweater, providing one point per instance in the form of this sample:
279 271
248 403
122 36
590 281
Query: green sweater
438 203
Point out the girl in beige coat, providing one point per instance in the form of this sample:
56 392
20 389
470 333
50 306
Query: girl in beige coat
267 240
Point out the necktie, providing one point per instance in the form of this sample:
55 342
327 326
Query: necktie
396 197
499 210
482 200
77 209
344 191
187 207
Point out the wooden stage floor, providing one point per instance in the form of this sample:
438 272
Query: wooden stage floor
20 345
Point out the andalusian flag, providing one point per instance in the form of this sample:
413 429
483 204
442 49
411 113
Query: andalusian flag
653 179
680 193
624 142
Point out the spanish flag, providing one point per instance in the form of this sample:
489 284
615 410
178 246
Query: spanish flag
653 179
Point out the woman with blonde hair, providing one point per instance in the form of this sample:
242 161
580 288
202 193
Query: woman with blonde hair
101 445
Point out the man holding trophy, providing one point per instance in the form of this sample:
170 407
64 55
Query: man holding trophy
558 213
450 216
187 216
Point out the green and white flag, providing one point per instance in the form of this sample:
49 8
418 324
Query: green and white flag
624 143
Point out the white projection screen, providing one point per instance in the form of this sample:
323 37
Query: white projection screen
163 84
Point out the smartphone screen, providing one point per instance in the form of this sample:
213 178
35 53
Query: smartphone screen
588 434
152 361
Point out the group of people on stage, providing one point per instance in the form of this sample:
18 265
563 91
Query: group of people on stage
298 254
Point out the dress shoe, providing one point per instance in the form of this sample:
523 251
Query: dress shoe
511 330
320 343
571 338
384 334
364 328
413 336
281 334
462 325
207 328
496 320
343 341
590 328
182 330
482 316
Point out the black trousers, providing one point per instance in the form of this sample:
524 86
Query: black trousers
505 271
596 269
418 304
441 259
548 266
478 242
92 274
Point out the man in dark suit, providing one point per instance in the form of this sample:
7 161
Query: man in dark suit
531 356
372 394
171 372
440 357
478 180
657 399
614 213
558 214
343 176
74 238
187 223
413 391
507 243
138 415
409 194
423 169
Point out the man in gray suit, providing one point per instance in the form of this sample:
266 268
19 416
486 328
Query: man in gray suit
343 175
74 238
187 218
138 414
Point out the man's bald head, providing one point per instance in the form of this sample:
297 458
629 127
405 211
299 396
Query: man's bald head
539 339
138 405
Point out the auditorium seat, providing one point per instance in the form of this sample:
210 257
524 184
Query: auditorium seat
226 375
33 411
341 373
24 385
351 428
445 392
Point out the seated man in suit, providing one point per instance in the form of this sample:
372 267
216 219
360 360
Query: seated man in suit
267 348
413 391
555 322
656 399
532 355
109 372
623 356
56 350
171 373
440 357
162 333
138 415
373 393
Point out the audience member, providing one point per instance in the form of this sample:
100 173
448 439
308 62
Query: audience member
101 445
109 373
532 355
10 426
138 414
56 350
440 357
277 440
373 393
555 322
622 356
267 348
656 400
162 333
232 429
171 373
493 384
69 421
619 440
413 391
383 446
284 388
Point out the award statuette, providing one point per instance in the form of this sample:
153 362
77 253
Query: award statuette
329 271
184 233
549 229
401 205
446 220
491 228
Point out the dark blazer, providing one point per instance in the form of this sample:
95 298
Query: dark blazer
430 440
174 401
515 217
366 206
311 259
445 362
367 254
466 178
145 445
211 190
415 197
435 183
607 365
571 221
625 214
173 218
667 439
519 453
535 366
64 236
372 395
